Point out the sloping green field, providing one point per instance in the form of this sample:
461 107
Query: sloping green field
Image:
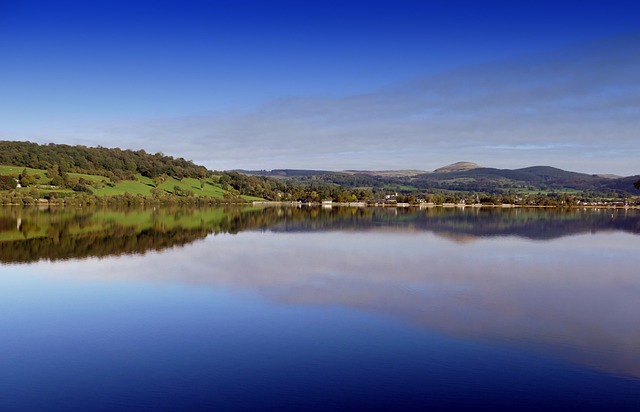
101 186
16 170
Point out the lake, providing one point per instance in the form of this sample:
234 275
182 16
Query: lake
319 309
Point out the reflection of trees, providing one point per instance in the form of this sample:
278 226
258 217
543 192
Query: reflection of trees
533 223
64 234
120 241
30 234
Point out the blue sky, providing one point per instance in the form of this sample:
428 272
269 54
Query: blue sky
329 84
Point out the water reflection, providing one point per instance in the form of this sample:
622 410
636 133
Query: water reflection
28 235
574 296
575 299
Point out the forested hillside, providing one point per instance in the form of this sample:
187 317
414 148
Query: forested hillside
59 171
97 160
30 173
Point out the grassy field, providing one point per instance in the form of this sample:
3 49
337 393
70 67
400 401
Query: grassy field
142 186
397 187
16 170
563 191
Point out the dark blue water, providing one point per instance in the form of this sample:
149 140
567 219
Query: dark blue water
383 319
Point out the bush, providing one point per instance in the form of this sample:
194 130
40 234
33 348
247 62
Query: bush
28 180
82 188
7 183
58 181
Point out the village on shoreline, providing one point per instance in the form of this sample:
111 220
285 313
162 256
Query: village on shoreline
422 205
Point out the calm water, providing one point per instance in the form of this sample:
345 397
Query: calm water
319 309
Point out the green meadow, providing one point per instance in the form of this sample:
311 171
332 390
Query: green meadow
102 186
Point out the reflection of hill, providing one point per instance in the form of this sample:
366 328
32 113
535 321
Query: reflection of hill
117 242
29 234
456 223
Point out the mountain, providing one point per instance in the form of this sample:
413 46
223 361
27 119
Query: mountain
528 179
284 173
386 173
458 167
467 177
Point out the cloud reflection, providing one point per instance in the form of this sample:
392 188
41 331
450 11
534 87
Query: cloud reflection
577 298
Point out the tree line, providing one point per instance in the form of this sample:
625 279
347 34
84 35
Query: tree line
97 160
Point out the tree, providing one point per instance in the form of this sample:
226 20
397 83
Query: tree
637 185
53 171
156 192
7 183
58 181
27 180
158 180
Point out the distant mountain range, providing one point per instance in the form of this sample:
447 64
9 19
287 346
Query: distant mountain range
100 170
468 176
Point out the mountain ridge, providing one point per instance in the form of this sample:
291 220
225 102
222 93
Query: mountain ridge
457 167
462 166
469 177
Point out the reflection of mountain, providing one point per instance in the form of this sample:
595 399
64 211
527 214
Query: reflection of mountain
30 234
457 223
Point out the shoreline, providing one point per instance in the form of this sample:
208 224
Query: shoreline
326 205
443 205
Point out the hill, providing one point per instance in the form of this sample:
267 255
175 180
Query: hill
283 173
528 179
33 171
386 173
458 167
467 177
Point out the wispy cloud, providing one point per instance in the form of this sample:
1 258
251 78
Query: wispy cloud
576 108
550 146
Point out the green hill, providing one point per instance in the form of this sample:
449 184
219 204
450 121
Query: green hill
102 186
31 170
